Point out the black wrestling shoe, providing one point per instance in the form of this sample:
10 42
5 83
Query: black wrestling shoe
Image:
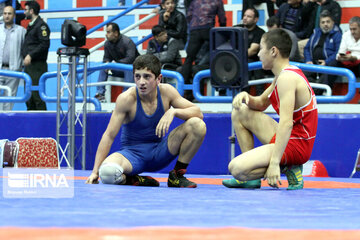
144 181
177 179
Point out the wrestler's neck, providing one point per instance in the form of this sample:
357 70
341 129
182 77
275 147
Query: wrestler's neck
279 65
150 97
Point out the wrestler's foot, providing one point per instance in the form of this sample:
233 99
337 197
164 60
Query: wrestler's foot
294 177
145 181
177 179
234 183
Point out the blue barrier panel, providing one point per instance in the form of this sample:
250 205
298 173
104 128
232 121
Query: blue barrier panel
334 130
305 67
115 66
27 88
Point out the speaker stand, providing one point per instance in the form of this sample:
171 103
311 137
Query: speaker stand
232 138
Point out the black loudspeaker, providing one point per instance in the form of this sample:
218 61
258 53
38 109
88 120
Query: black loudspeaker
228 57
73 33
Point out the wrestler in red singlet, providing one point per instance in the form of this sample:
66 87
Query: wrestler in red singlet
301 142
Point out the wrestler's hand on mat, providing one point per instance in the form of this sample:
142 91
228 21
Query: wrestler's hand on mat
93 179
163 126
272 175
241 98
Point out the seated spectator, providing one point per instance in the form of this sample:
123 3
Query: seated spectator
349 52
249 21
181 6
167 51
321 49
291 17
313 8
273 23
311 18
251 4
173 21
119 49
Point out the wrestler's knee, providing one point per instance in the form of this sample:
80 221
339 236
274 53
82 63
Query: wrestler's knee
238 114
111 173
237 170
196 126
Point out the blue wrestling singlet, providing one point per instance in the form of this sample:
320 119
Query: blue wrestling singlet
139 144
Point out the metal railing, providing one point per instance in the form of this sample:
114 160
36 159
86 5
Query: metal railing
27 86
195 87
99 45
129 9
305 67
7 91
112 66
352 85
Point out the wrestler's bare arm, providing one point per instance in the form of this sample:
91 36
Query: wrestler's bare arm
123 105
177 107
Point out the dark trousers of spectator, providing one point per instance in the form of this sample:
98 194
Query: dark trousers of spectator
250 4
322 78
35 70
103 76
354 69
196 40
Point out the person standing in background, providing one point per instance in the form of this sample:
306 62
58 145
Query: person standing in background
173 21
200 21
35 51
11 40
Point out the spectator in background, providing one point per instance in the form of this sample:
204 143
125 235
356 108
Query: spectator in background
311 17
321 49
11 41
35 51
292 18
269 4
314 8
19 16
349 50
2 5
273 23
167 51
180 6
201 18
118 48
173 21
249 21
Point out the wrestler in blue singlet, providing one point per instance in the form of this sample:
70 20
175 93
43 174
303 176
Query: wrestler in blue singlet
139 144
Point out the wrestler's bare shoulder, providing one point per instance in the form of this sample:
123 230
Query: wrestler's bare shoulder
127 99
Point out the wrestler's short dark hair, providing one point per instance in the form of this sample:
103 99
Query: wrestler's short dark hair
149 62
280 39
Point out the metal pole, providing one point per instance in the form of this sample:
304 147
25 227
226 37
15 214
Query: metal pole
71 110
58 101
70 152
232 138
84 116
